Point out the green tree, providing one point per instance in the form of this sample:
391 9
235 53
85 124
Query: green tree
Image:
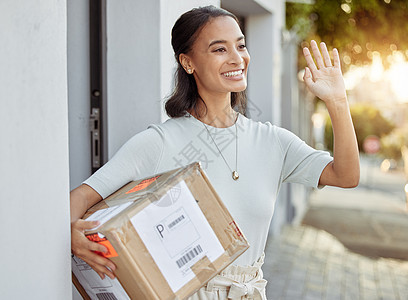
355 27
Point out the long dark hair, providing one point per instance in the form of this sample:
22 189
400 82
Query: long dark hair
183 35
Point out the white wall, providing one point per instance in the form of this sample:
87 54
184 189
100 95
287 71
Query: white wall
261 93
34 214
263 33
78 91
133 69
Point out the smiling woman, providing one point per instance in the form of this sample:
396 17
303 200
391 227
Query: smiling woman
208 124
200 38
219 62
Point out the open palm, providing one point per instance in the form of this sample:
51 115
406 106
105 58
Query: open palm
324 79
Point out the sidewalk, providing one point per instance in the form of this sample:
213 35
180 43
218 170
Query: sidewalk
310 263
367 220
307 263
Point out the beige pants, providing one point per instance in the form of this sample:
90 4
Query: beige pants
235 282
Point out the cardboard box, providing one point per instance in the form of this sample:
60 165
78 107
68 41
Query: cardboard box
167 235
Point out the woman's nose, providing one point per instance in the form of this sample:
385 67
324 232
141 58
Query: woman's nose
235 57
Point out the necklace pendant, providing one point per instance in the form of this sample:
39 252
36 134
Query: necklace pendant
235 175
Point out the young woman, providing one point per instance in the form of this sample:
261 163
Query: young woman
245 160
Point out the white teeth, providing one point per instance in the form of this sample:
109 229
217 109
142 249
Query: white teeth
234 73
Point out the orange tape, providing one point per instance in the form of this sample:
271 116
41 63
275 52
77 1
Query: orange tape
103 241
143 184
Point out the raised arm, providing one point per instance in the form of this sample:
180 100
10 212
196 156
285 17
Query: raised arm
82 198
325 80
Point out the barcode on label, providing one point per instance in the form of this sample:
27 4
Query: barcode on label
189 256
106 296
176 221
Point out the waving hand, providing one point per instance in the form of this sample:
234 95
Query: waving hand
324 79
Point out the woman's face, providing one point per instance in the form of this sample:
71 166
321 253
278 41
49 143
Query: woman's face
219 58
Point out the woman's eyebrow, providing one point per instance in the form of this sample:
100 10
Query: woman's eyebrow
224 41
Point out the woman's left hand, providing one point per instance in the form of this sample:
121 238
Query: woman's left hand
324 80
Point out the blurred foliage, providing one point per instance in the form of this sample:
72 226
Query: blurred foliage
355 27
391 146
299 18
367 120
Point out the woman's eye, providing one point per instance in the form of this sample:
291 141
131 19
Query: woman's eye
243 46
219 50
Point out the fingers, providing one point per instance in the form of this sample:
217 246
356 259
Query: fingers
326 56
100 264
83 225
85 249
321 56
101 275
316 54
336 59
309 60
96 247
78 240
307 77
94 259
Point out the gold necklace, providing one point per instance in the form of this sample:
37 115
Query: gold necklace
234 173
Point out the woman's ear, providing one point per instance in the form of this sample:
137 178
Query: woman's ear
185 62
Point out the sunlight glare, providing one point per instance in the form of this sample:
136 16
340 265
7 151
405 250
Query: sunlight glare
353 77
398 76
377 69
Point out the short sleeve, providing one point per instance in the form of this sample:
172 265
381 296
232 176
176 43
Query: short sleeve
302 164
137 158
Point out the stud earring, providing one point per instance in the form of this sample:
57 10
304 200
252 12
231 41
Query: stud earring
189 71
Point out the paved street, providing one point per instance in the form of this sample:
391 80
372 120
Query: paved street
309 263
306 263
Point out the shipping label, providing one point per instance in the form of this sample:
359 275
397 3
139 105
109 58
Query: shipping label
177 235
95 287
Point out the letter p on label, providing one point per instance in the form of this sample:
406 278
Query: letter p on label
160 229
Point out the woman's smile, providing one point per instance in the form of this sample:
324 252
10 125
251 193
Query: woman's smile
235 75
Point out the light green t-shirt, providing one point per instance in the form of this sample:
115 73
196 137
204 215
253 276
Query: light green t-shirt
267 156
